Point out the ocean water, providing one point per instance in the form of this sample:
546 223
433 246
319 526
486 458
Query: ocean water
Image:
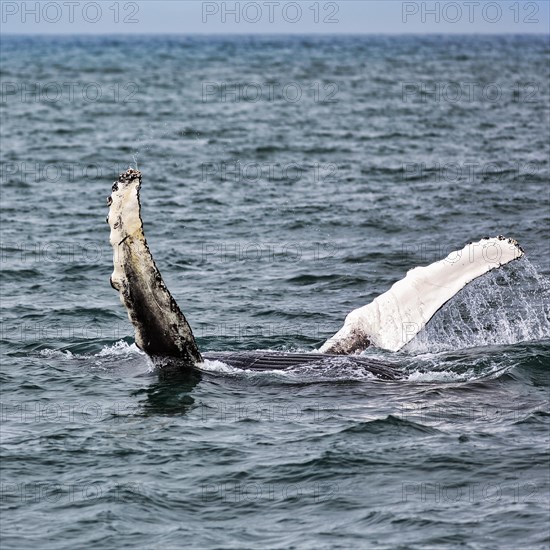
286 181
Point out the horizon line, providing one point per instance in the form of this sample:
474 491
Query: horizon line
399 33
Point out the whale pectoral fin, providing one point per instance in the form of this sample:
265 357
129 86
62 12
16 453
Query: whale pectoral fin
160 327
397 316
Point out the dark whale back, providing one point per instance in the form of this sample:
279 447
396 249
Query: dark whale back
270 360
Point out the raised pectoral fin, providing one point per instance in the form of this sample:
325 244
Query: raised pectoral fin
160 327
397 316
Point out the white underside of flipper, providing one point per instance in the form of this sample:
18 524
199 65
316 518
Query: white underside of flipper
161 329
397 316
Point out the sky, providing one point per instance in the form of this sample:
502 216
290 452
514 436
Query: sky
274 17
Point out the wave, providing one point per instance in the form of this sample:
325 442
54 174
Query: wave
118 349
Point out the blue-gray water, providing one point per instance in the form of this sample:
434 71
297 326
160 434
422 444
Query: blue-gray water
340 164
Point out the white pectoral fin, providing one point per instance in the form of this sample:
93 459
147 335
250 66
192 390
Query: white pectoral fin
397 316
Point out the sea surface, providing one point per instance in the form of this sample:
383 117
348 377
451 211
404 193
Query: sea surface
286 181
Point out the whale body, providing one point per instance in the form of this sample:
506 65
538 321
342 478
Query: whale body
389 322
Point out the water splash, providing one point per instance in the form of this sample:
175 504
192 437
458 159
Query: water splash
506 306
210 365
120 348
326 371
58 353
